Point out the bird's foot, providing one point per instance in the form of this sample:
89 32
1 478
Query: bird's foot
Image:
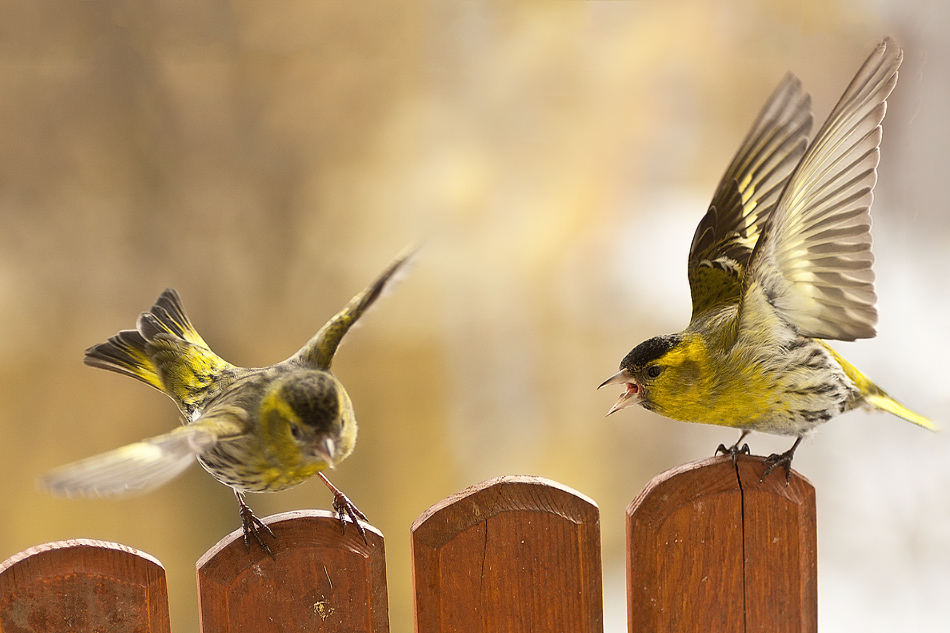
253 527
735 450
775 460
346 508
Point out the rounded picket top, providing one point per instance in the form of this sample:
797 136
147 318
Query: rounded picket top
319 578
84 584
710 547
516 552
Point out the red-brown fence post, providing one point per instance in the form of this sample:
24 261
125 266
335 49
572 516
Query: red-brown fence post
320 579
709 548
83 586
513 554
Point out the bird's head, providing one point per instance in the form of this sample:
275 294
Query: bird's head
316 413
655 372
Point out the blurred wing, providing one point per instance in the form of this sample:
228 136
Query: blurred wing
747 193
813 260
319 351
135 468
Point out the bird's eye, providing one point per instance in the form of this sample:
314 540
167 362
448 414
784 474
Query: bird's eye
654 370
296 431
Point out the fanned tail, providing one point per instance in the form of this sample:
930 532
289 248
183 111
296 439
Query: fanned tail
168 316
127 351
166 352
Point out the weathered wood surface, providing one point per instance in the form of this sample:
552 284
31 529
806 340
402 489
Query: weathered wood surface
513 554
319 580
83 586
710 548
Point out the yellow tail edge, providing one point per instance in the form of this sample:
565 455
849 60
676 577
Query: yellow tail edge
886 403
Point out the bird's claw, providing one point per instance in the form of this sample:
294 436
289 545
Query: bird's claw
253 527
735 450
775 460
346 508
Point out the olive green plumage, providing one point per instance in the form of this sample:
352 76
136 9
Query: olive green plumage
255 429
781 259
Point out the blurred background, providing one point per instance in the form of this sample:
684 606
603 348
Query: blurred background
268 159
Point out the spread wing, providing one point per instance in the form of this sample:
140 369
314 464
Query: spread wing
813 260
143 466
319 350
135 468
746 195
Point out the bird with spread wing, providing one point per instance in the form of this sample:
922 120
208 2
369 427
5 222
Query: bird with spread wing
780 262
255 429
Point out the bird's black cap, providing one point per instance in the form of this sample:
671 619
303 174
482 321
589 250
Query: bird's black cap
649 351
312 396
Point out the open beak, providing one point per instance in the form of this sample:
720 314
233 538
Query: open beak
632 390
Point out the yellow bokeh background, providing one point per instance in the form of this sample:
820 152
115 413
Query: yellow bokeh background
269 158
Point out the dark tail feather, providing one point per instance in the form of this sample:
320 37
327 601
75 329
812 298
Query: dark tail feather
125 352
168 316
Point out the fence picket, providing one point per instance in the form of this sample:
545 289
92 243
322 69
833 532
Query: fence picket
318 581
711 548
513 554
82 586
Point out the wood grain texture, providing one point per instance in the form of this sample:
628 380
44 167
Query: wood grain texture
321 580
684 551
781 545
83 586
513 554
709 548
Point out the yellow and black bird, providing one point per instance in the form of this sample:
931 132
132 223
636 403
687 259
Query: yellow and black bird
255 429
781 260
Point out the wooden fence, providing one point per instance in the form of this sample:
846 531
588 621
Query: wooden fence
709 548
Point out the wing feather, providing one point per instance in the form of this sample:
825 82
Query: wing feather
135 468
813 259
319 350
746 195
143 466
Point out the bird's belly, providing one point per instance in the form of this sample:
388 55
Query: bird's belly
802 395
238 465
791 394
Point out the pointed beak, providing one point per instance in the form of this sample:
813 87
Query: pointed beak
631 394
324 450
